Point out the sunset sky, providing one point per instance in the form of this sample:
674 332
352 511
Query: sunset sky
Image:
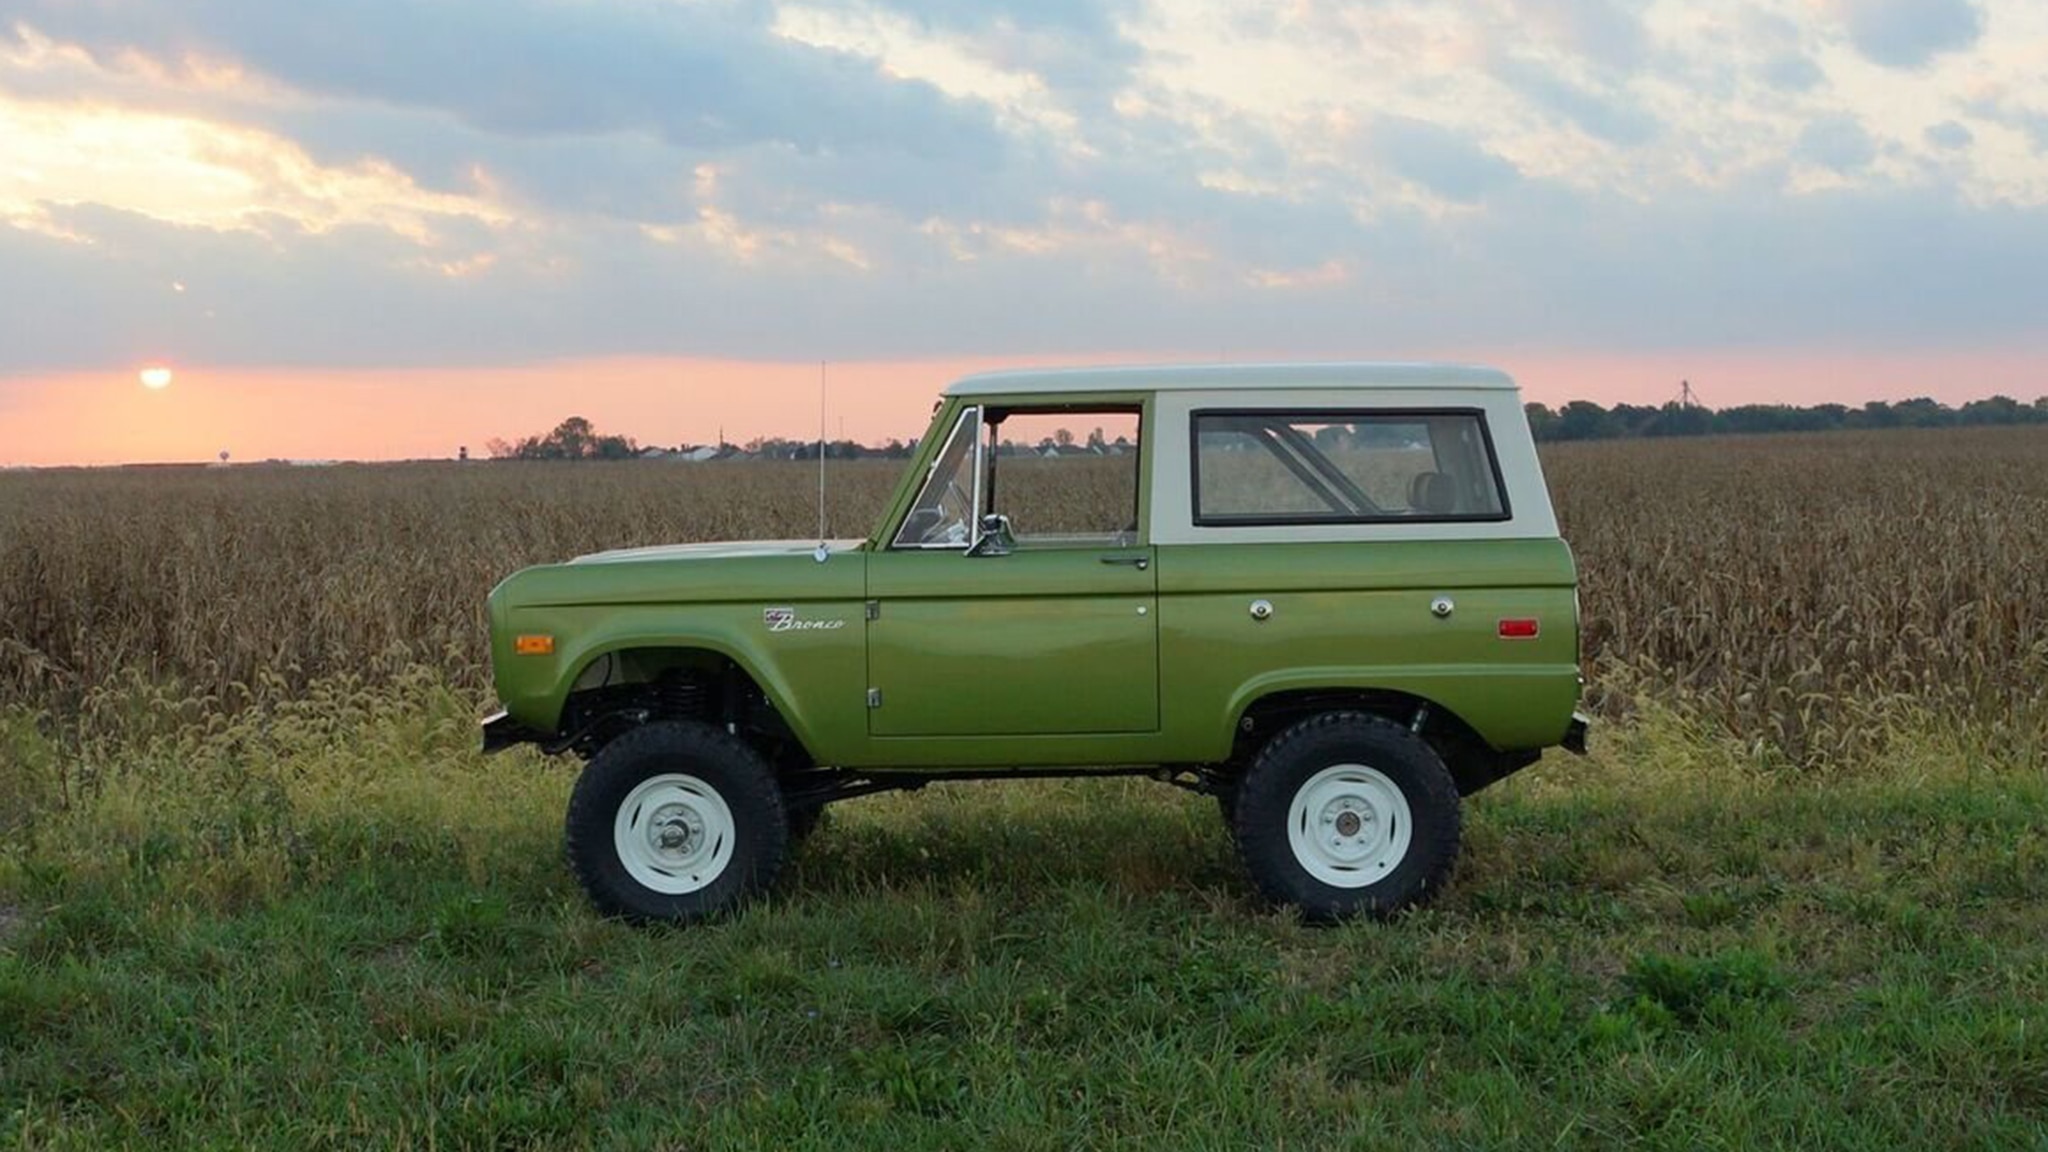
373 229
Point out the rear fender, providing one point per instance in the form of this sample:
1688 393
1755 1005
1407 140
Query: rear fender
1507 709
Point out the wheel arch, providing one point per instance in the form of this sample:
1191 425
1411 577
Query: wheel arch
631 671
1473 762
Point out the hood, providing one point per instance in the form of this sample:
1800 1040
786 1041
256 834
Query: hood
717 551
767 572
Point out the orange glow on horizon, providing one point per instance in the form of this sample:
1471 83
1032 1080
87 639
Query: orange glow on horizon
333 414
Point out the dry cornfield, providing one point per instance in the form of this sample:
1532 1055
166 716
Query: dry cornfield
1811 592
1805 593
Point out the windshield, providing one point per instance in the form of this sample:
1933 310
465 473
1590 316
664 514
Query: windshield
943 516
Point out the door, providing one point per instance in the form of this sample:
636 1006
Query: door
1017 597
1037 641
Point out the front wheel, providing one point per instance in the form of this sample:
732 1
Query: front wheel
1347 813
804 821
675 821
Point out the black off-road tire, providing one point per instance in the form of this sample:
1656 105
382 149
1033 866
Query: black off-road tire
805 821
1375 885
1226 802
728 769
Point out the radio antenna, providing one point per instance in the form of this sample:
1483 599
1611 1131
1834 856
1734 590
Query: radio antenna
821 460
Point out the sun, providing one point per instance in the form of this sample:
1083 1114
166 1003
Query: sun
156 379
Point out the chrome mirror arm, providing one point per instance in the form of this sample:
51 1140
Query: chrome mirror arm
993 536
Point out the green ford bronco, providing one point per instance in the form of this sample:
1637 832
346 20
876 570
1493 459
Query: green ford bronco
1331 596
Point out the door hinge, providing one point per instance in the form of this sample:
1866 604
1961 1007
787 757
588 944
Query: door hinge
874 697
874 609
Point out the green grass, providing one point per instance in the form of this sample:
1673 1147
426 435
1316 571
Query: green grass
332 923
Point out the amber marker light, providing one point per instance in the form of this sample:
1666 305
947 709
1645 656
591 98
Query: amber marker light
534 645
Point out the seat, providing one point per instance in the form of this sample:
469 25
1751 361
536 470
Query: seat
1433 494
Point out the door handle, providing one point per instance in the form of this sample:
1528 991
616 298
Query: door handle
1139 562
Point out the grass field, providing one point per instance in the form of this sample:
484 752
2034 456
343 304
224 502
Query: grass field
257 887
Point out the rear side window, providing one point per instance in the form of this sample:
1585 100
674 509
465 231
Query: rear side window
1344 467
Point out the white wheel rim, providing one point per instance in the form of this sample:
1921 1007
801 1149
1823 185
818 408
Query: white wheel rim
1349 826
674 834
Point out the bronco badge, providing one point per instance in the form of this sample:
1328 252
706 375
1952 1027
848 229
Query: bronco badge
785 620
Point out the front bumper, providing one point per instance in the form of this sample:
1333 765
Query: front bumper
501 731
1575 735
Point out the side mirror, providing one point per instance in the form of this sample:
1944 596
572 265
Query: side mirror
995 537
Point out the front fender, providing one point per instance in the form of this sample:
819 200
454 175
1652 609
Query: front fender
814 676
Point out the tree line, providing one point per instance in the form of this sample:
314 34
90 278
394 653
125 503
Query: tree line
572 439
1585 420
576 439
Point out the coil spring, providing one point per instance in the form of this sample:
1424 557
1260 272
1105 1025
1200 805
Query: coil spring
684 697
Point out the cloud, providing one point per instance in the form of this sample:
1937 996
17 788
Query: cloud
351 294
1752 267
584 108
703 74
630 174
1948 136
1792 72
1076 46
2001 109
1839 143
1095 19
467 183
1610 117
1441 160
1538 266
205 173
1909 33
1608 32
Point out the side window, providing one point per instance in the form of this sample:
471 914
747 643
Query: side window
943 515
1359 466
1065 476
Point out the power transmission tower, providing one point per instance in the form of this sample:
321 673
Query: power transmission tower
1687 398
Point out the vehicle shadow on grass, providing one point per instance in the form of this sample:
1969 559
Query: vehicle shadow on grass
1139 840
1024 837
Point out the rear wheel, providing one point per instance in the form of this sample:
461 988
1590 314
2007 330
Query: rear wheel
675 821
1347 813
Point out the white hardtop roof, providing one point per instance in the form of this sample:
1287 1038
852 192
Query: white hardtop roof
1232 378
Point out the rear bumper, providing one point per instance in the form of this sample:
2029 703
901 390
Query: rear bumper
500 731
1575 735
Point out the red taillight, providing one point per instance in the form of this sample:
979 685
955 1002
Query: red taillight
1524 629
